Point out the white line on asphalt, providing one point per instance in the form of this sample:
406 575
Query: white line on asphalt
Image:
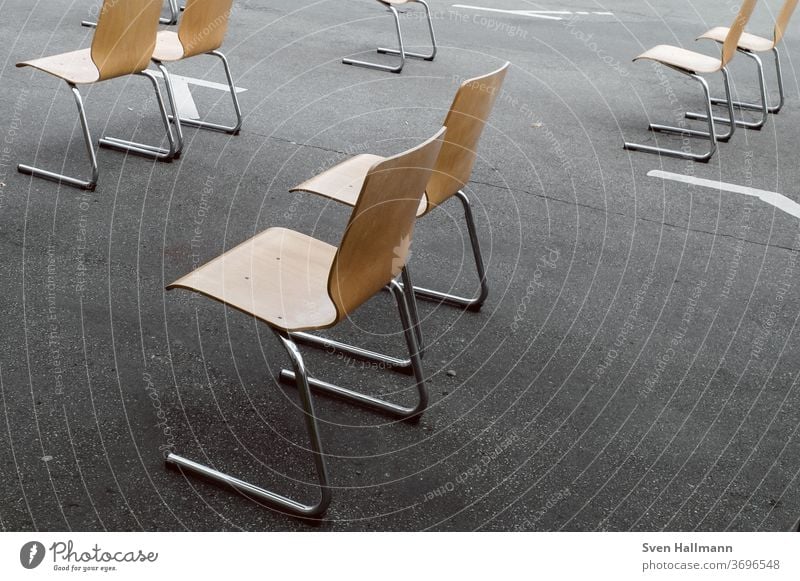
183 96
187 109
772 198
545 14
202 83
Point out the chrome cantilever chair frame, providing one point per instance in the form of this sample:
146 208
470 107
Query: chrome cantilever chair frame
143 149
304 383
393 363
774 109
60 178
192 39
755 44
172 20
763 107
410 327
400 51
475 303
179 121
711 134
110 142
472 304
274 499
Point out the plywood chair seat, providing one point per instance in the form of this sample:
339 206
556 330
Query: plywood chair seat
76 67
747 41
168 47
680 58
279 276
343 182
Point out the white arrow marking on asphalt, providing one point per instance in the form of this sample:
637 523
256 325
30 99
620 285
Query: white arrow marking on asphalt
545 14
772 198
183 96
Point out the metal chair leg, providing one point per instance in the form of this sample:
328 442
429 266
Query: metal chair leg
174 106
87 137
774 109
779 73
374 402
232 129
142 148
472 304
711 134
401 51
763 107
272 498
391 363
173 12
416 55
172 20
411 301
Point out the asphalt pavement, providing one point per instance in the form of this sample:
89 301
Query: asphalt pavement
634 368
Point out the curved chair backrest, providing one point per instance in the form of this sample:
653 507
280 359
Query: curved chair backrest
125 37
783 19
203 25
376 243
465 121
734 34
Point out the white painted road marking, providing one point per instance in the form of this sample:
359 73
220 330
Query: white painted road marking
183 99
772 198
183 96
545 14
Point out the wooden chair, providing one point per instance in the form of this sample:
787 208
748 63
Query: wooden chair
695 64
749 45
293 282
122 45
465 121
400 51
201 31
173 15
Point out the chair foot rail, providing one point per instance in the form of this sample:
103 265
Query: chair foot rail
144 149
272 498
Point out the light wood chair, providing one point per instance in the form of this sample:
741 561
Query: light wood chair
750 45
173 15
465 121
293 282
122 45
201 31
694 65
400 51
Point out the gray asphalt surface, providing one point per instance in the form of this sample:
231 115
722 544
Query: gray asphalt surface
635 367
